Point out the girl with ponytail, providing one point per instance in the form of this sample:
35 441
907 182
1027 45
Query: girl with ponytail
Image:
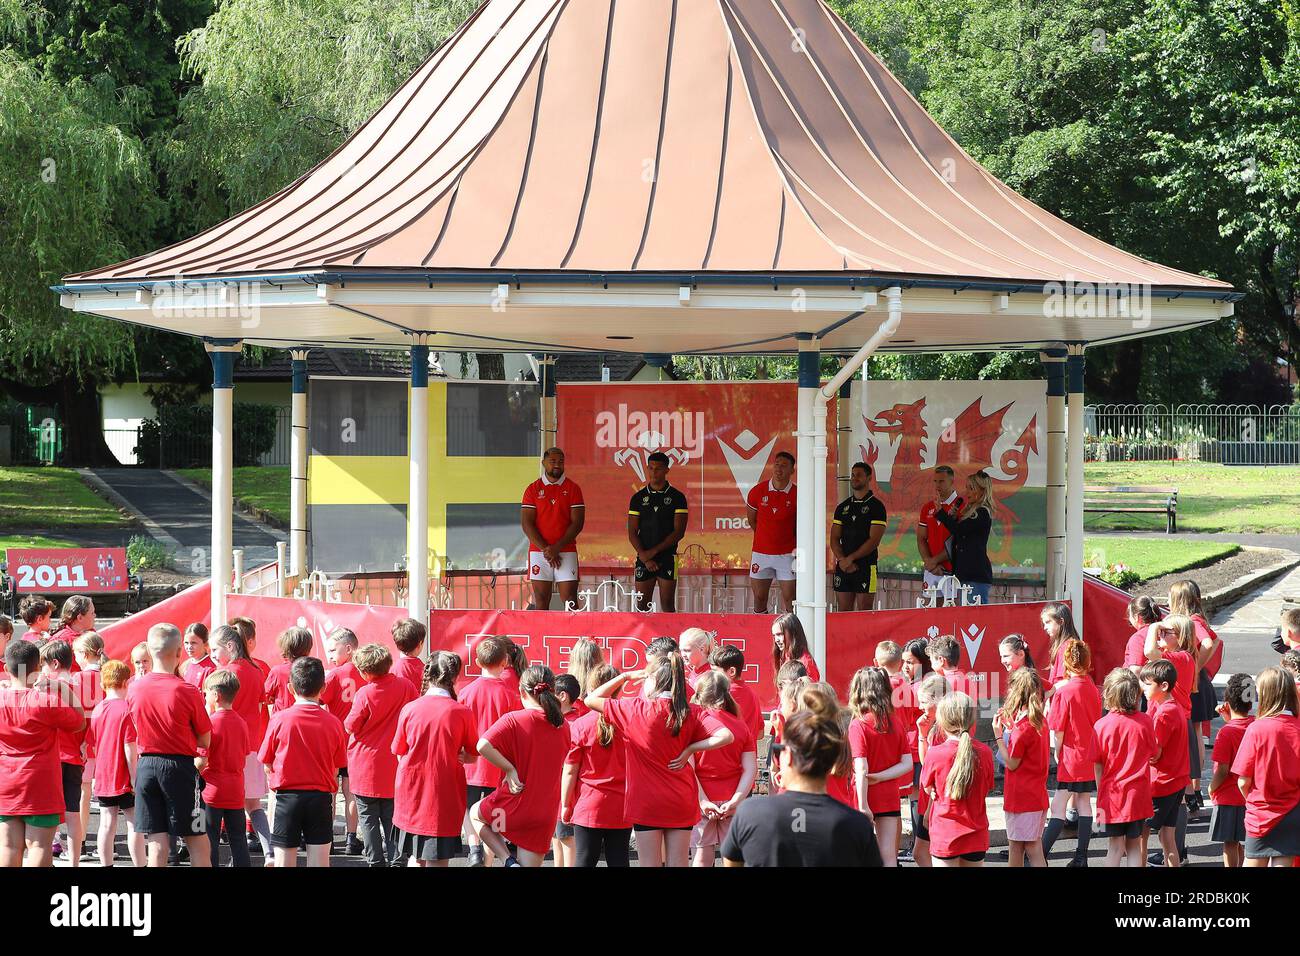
661 730
592 789
957 776
726 775
435 738
528 746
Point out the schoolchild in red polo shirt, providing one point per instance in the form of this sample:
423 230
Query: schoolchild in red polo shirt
1228 820
1024 742
372 765
1268 773
730 662
726 775
56 664
569 693
1124 743
222 768
661 732
36 613
881 756
304 747
958 775
435 738
171 725
409 636
592 788
34 710
111 742
1169 766
293 642
198 661
528 746
342 682
230 652
1072 717
488 697
1142 613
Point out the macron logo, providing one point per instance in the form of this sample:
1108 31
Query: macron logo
746 464
75 909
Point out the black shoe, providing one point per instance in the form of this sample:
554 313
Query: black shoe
1156 858
1078 861
352 846
476 857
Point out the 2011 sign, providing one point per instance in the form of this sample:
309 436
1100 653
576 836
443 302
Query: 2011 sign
68 570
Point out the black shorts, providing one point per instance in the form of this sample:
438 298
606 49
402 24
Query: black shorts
72 774
667 569
643 828
888 813
861 581
302 815
564 831
1129 831
168 790
474 793
123 801
1078 786
968 857
1165 813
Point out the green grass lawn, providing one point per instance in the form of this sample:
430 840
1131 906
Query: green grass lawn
265 488
1210 497
33 541
1153 557
52 498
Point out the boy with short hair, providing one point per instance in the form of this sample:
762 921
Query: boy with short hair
488 697
304 747
56 664
6 635
372 766
1228 820
1171 764
294 642
170 725
409 635
1288 632
222 768
111 741
945 658
730 662
342 682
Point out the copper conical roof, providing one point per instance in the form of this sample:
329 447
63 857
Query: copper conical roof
652 136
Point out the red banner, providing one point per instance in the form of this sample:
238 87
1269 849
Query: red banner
68 570
720 438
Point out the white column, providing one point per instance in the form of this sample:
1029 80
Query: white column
223 355
1074 486
809 381
417 509
1054 362
550 424
818 481
298 468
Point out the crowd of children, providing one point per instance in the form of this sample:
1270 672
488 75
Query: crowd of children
191 739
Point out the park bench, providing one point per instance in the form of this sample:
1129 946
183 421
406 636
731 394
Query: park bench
1133 499
52 572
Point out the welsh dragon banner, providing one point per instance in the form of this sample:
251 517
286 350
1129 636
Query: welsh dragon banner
905 429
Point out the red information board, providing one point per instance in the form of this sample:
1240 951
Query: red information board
68 570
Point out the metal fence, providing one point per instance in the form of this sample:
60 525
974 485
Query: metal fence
1224 434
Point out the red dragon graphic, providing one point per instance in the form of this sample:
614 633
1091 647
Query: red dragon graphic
967 445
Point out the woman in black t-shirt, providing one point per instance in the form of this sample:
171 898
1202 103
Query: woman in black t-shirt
802 826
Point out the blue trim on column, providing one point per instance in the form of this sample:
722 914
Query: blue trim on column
1074 367
419 366
299 376
1055 379
223 369
548 377
810 375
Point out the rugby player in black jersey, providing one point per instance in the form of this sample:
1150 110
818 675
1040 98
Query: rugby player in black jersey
656 522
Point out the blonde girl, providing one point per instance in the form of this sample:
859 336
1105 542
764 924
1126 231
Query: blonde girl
957 776
970 536
1023 744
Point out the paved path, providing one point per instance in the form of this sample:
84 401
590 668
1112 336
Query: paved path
1287 542
180 515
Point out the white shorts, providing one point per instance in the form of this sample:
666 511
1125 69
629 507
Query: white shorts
254 778
539 569
767 566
